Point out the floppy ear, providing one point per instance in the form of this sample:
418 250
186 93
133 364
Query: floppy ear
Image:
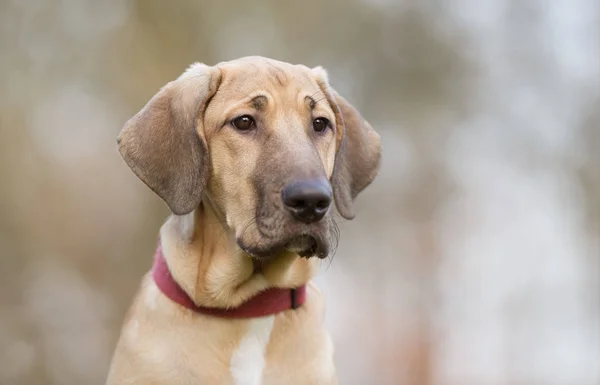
359 149
162 142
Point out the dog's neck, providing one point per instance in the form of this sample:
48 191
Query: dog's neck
205 260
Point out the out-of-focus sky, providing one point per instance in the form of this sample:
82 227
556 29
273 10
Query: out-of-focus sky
475 256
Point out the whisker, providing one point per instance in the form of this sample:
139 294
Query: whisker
334 239
320 100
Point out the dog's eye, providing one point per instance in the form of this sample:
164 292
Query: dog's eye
244 123
320 124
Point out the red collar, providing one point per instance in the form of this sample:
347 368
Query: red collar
267 302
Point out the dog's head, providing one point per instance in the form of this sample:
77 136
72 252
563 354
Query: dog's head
269 145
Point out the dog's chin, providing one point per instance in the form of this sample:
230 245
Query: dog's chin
306 246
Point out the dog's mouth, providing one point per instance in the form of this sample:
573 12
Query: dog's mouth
304 245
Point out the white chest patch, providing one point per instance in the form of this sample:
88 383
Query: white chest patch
248 360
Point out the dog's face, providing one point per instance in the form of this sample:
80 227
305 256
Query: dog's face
271 134
268 144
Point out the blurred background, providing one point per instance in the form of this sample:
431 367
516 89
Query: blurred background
475 255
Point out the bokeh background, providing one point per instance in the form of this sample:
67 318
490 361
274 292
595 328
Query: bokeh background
475 256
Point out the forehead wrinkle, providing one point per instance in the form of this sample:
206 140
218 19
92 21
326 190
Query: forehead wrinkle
259 102
310 101
279 74
250 101
315 103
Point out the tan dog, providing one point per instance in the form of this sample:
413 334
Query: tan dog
249 155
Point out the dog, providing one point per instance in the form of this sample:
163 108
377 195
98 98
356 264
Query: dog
250 156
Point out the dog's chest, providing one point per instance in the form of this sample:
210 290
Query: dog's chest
248 359
267 355
272 353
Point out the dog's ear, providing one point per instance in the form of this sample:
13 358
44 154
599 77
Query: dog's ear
358 150
162 143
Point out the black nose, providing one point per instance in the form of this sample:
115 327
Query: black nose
307 200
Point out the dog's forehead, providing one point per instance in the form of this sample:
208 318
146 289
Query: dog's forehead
255 72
